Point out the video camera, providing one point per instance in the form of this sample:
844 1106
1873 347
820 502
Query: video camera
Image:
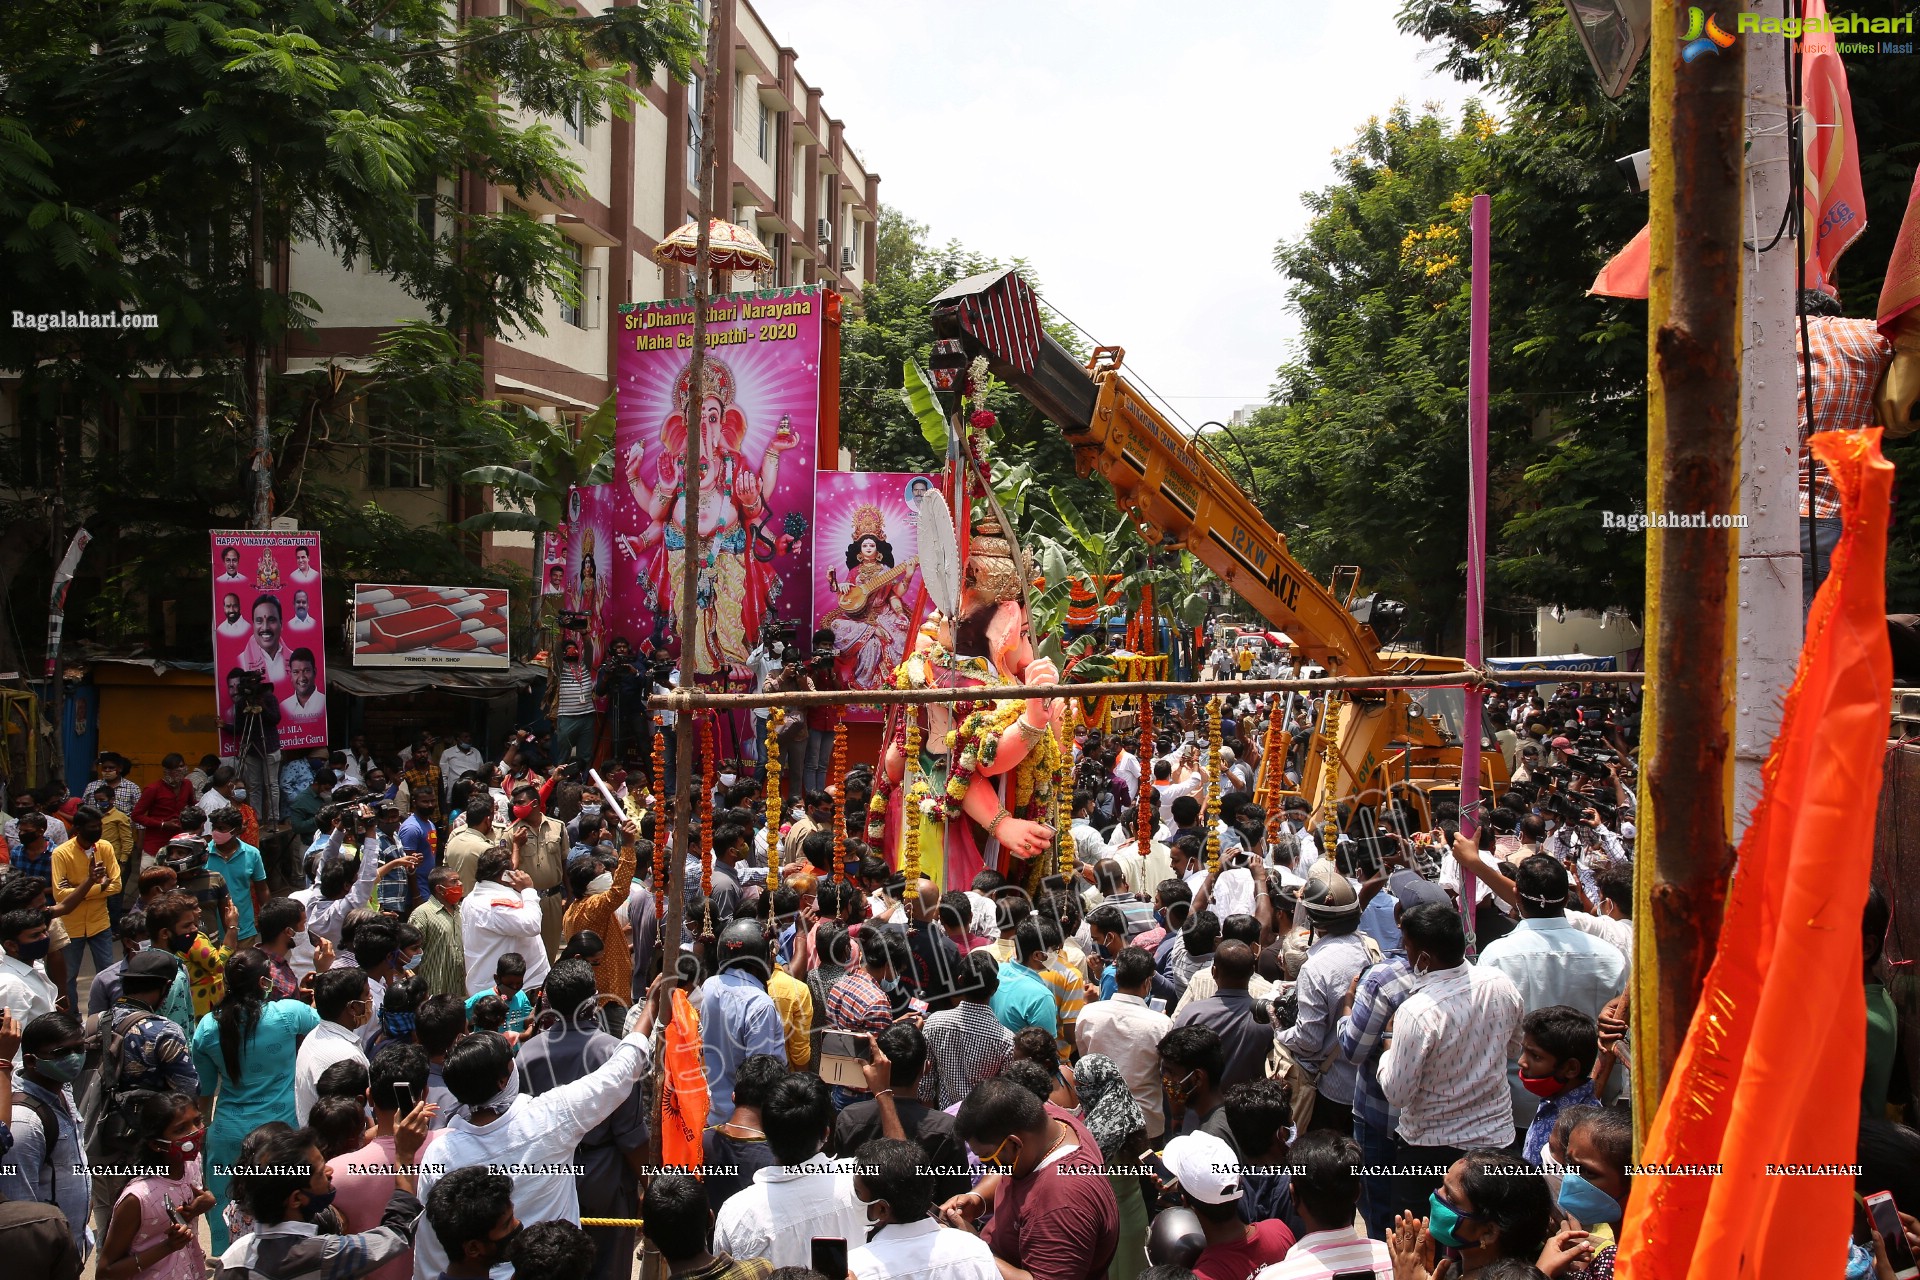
253 693
574 620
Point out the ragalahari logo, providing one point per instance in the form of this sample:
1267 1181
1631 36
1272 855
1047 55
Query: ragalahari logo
1704 34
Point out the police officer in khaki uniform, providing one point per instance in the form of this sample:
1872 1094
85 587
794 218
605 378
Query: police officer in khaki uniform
543 856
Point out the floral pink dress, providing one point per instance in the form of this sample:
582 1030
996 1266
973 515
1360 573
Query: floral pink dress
153 1194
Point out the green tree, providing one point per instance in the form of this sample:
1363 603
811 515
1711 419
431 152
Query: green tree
155 157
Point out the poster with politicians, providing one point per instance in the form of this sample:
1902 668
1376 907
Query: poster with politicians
867 586
269 648
760 409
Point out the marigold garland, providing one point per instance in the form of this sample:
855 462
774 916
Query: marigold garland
1063 795
1143 820
1274 761
706 811
775 718
1213 785
1330 733
837 787
917 794
661 838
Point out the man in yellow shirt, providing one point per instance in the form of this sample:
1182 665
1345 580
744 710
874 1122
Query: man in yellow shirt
88 925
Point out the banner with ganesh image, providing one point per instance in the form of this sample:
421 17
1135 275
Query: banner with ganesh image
760 407
867 588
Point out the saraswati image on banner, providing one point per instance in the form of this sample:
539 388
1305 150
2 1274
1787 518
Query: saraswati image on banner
759 408
867 592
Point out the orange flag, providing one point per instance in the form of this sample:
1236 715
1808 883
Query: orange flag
1834 206
683 1097
1766 1085
1625 275
1901 290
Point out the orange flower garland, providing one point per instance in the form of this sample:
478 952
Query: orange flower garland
1063 793
910 812
1213 784
1274 762
1143 822
837 785
661 839
776 717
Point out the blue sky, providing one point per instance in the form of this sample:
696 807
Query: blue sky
1145 158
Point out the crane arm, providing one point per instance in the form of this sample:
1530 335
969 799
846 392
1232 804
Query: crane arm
1169 487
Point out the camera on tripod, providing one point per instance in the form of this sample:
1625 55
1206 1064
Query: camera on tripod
252 693
573 620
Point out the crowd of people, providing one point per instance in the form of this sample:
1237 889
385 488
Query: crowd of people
1249 1044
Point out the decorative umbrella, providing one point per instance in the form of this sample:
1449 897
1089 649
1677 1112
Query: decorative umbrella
730 247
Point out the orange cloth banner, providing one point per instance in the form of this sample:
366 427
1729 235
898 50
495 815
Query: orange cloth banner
683 1096
1901 289
1770 1070
1833 202
1626 272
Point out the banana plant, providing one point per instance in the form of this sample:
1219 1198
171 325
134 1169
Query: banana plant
531 497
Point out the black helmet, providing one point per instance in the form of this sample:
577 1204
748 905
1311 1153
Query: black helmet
1175 1238
744 944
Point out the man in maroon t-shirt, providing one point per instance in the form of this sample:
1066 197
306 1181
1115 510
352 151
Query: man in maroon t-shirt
1054 1215
1208 1177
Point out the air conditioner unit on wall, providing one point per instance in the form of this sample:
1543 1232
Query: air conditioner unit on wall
846 259
823 231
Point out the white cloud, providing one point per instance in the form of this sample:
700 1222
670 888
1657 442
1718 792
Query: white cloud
1145 164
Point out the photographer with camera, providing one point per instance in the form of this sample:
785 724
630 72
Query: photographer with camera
573 708
622 684
821 720
254 726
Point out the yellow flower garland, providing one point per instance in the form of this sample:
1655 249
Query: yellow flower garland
775 718
1213 785
916 794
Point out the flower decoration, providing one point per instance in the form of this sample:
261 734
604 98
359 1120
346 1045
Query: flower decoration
1143 820
1213 785
776 717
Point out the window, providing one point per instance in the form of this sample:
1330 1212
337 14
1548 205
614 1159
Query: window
426 212
160 430
739 100
766 131
574 119
397 459
694 92
573 308
43 428
777 246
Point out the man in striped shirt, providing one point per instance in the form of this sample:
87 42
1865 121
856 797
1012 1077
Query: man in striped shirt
1325 1192
573 731
967 1043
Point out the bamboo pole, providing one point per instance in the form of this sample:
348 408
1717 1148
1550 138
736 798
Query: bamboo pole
1477 365
1693 384
691 699
689 619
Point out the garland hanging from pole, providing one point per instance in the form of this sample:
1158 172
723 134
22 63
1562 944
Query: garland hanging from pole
662 839
911 809
775 718
837 787
1274 761
1213 785
1143 820
1063 796
706 818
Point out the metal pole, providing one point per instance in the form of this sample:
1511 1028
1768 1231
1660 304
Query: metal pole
262 516
1693 337
1769 627
684 791
1477 361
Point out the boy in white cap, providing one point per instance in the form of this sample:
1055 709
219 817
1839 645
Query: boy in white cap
1206 1176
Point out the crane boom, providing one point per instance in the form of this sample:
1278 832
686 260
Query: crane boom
1168 485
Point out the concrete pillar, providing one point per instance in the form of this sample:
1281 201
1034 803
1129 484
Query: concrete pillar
1769 623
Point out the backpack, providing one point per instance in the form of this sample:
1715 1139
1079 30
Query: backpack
106 1128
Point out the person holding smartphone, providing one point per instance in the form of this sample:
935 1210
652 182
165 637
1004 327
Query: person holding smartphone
363 1180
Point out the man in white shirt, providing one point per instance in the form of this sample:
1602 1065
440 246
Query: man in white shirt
502 914
301 619
232 625
1338 955
26 991
458 760
1550 961
1126 767
1444 1067
306 702
341 999
1127 1031
531 1139
803 1194
896 1191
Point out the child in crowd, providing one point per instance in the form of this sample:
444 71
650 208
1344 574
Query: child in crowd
508 977
1557 1048
153 1234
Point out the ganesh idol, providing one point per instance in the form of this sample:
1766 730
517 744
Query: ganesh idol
735 588
971 785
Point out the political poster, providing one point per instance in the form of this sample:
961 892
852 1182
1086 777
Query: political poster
760 410
553 560
867 588
412 626
269 640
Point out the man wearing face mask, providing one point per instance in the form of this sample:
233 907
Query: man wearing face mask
444 958
531 1139
543 856
895 1187
289 1185
1054 1214
340 998
173 922
25 989
471 1211
148 1052
48 1162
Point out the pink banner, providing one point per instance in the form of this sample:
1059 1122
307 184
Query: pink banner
867 584
761 411
267 621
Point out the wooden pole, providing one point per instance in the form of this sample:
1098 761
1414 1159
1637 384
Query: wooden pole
688 699
689 620
1694 383
1477 363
